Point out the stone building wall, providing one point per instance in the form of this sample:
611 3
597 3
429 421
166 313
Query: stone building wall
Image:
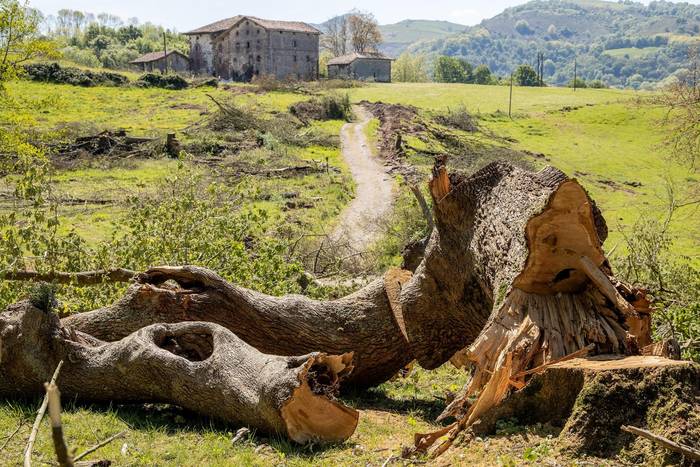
363 69
249 50
202 54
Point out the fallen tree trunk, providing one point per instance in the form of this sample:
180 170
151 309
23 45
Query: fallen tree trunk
200 366
362 323
514 266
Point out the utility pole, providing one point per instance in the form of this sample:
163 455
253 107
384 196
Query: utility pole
575 70
165 53
510 101
542 69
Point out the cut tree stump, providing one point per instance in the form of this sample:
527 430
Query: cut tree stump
593 398
199 366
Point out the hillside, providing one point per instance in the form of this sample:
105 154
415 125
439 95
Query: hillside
592 31
398 36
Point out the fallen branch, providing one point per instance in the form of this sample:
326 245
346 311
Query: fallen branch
78 278
99 445
37 421
687 451
59 443
427 212
12 435
199 366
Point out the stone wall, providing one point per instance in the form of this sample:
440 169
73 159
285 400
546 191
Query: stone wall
202 54
249 50
363 69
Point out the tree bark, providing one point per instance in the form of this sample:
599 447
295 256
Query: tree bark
514 265
516 269
362 323
202 367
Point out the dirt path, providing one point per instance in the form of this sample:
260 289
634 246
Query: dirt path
363 220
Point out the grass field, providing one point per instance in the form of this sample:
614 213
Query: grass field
609 139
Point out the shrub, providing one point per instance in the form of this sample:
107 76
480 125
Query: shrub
336 107
153 80
55 73
459 118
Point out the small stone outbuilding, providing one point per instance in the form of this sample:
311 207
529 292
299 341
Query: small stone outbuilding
242 47
363 67
162 62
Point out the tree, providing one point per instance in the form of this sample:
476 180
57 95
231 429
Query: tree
409 68
452 70
365 35
525 75
336 36
681 98
20 40
523 27
482 75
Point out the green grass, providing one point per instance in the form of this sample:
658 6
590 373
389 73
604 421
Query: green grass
606 147
162 435
137 110
484 99
603 137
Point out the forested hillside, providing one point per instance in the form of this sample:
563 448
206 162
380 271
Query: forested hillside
399 36
623 44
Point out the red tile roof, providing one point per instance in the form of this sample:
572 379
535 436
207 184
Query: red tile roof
153 56
226 24
348 59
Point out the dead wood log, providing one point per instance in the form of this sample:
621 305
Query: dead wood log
362 323
200 366
505 258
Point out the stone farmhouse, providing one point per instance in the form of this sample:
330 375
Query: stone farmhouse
161 61
361 66
242 47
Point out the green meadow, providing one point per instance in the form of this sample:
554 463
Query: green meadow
610 140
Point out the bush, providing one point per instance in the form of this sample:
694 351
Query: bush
153 80
84 57
597 84
336 107
579 83
54 73
525 75
459 118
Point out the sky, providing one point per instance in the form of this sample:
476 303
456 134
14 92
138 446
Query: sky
184 15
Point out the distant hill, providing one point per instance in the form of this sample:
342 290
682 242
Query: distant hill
399 36
608 39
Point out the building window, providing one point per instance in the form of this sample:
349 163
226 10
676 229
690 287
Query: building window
238 45
247 45
247 32
257 31
308 59
221 48
236 33
258 58
295 59
294 43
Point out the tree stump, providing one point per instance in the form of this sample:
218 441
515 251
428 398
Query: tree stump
592 398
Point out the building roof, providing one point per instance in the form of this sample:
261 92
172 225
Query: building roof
154 56
348 59
226 24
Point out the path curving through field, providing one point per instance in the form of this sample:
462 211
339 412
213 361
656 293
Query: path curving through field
364 219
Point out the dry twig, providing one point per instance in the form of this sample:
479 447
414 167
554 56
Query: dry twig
37 421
